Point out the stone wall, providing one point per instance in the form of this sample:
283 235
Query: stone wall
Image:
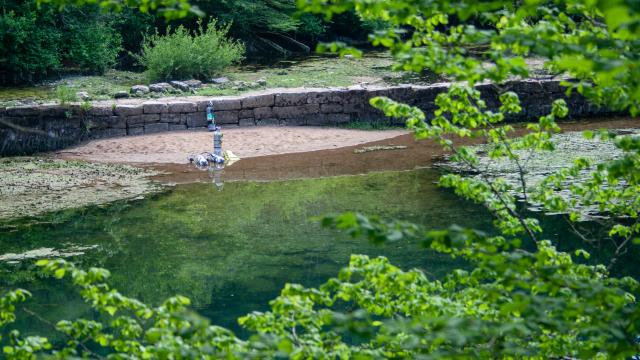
26 130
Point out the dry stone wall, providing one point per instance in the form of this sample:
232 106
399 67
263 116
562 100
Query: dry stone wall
31 129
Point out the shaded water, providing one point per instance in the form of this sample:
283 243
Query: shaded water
231 251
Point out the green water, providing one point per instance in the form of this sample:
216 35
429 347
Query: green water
230 251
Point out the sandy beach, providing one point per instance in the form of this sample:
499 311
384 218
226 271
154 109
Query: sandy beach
245 142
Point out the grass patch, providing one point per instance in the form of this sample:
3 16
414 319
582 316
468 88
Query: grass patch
314 71
99 87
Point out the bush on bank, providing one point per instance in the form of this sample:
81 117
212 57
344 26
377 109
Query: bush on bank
36 42
181 55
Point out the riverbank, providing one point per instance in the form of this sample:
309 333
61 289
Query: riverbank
373 68
173 148
28 130
108 170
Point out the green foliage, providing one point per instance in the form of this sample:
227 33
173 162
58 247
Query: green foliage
94 46
170 9
179 55
132 25
28 47
35 42
250 18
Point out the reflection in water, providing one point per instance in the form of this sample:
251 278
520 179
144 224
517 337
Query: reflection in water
262 238
215 173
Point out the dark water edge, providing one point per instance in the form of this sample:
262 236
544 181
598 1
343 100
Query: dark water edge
232 251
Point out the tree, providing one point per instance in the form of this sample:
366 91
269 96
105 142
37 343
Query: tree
516 301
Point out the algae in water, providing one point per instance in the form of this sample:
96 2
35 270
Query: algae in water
32 186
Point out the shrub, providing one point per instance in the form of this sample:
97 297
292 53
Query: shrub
93 47
28 46
65 94
36 41
179 55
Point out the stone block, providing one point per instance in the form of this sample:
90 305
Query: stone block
182 107
60 125
172 118
23 111
354 96
353 108
426 93
101 122
128 110
290 99
370 94
107 133
150 118
177 127
262 113
400 93
155 128
293 122
289 112
330 108
134 120
227 117
117 122
316 120
221 104
268 122
336 119
245 114
247 122
101 110
228 104
338 95
155 108
26 121
56 110
257 101
320 97
138 130
195 120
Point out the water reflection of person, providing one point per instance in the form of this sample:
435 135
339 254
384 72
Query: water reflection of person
215 173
